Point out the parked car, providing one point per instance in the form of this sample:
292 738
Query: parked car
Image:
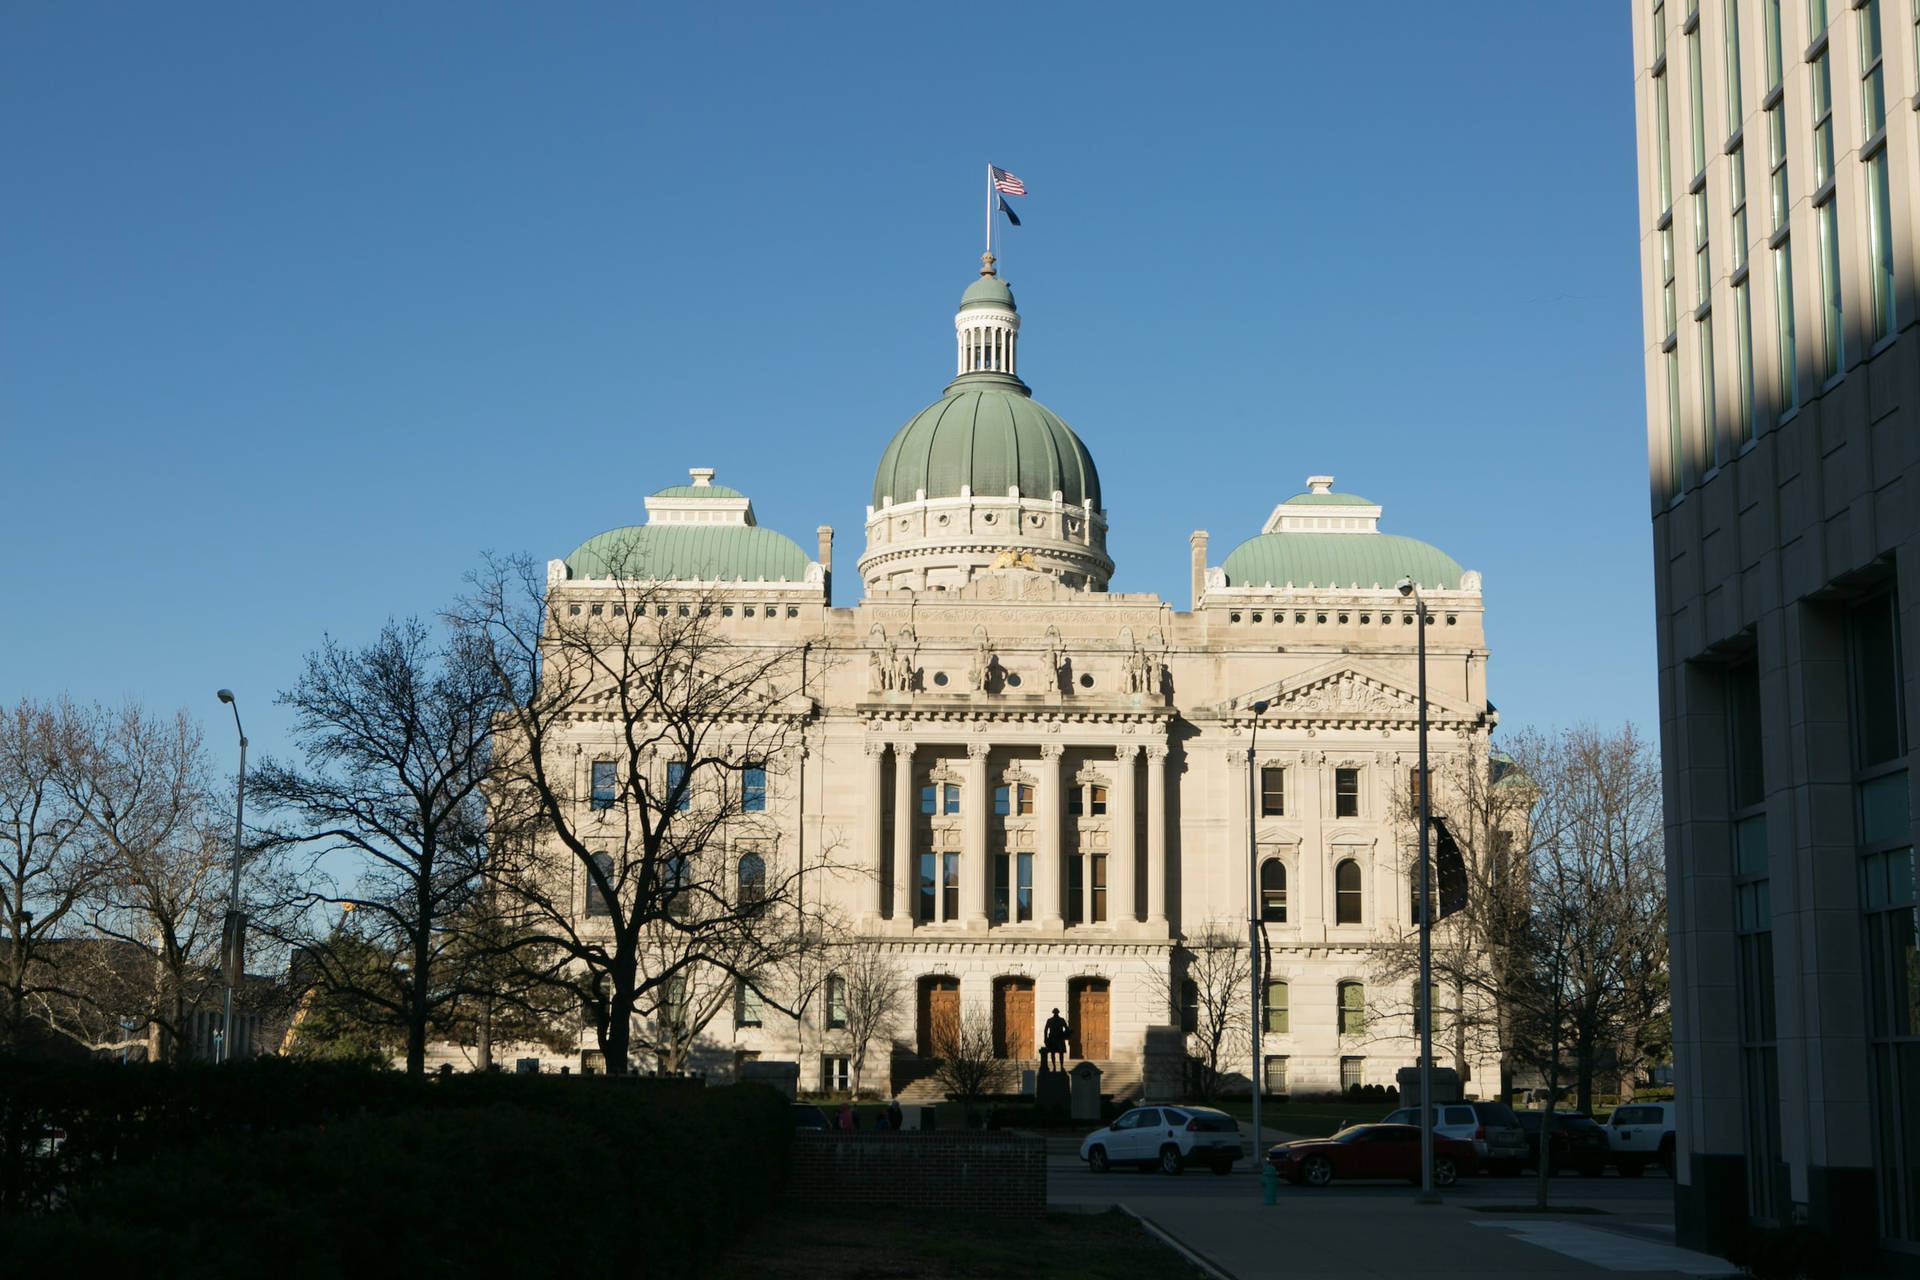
1491 1127
1371 1151
1167 1137
808 1118
1578 1142
1640 1133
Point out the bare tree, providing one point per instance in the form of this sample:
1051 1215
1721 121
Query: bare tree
1207 993
968 1066
43 870
875 998
641 757
396 737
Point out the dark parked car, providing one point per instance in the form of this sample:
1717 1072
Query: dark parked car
1371 1151
1578 1143
808 1118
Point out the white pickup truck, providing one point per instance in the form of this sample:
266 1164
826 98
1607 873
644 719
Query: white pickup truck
1640 1133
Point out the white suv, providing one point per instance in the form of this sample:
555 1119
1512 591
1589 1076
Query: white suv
1171 1137
1640 1133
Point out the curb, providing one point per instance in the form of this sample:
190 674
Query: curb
1213 1269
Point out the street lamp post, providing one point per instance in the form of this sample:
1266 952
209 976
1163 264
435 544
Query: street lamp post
236 929
1253 922
1423 1000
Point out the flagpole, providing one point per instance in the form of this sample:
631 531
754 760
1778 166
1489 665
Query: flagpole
989 206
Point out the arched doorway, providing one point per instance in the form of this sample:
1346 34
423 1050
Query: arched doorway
1087 1025
1013 1018
938 1014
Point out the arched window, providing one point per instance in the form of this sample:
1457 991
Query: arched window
1276 1008
596 900
1346 892
753 879
1273 891
1353 1008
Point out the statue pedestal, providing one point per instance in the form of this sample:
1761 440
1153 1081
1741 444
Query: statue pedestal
1052 1091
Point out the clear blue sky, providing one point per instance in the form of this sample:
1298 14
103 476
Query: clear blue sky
307 306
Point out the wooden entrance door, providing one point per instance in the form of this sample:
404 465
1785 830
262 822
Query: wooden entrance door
1013 1018
1087 1018
939 1014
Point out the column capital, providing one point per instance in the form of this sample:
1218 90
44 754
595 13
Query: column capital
875 749
979 750
1126 751
1157 752
903 750
1051 750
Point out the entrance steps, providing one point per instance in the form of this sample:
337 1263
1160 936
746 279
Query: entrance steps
914 1080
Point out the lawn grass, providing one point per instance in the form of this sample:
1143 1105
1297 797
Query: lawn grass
898 1244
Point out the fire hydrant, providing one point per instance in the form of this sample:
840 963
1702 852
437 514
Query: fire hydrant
1269 1183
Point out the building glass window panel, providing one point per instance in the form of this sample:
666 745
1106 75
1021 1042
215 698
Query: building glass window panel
751 1009
1832 332
1709 422
1783 321
1730 24
1743 355
836 1000
1880 238
1658 29
1702 260
1744 735
1737 197
1777 163
1000 802
1353 1074
1346 793
596 903
1663 176
1275 1021
753 879
1816 18
1416 793
1347 894
679 790
1419 1008
1189 1006
1770 14
950 799
1669 295
1873 84
1696 103
1077 889
927 887
1676 451
1276 1074
753 788
603 784
950 886
1097 801
1273 891
673 1004
1353 1008
1874 682
1076 802
1821 81
1012 888
929 799
1097 869
833 1073
1273 792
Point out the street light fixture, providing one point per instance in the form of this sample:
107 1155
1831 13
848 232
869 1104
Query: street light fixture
1423 1000
1253 922
236 930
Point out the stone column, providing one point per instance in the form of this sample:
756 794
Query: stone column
872 835
1120 865
903 869
1157 838
1048 872
973 858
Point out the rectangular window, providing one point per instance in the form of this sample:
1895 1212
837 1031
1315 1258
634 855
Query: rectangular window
1189 1006
1880 233
1737 197
1709 423
1420 1010
1276 1068
753 789
1097 801
1000 809
1730 21
596 903
1346 793
1770 13
1273 792
1353 1008
1874 683
1777 163
1663 177
833 1073
1783 321
929 799
1023 886
1353 1073
1696 103
1676 451
678 790
673 1005
1873 84
1276 1009
1822 86
1669 293
836 1001
927 886
1702 263
1415 792
1832 332
751 1007
950 802
1012 888
1658 28
1816 19
950 886
1077 889
603 785
1743 343
1097 868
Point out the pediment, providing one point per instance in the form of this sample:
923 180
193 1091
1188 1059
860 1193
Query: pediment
1346 690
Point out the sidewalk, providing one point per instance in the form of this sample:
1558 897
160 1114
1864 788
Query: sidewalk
1334 1238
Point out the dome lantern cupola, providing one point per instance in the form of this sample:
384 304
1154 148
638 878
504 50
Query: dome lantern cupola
986 478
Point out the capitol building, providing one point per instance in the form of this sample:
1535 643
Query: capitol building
1032 792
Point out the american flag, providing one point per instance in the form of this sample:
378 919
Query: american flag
1006 183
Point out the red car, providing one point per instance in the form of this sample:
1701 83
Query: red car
1370 1151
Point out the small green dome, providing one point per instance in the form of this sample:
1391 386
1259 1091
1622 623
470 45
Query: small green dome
988 291
1328 500
1339 560
698 491
987 439
690 553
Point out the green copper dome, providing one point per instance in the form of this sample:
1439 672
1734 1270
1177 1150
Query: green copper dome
988 291
1328 500
698 491
1339 560
690 553
986 438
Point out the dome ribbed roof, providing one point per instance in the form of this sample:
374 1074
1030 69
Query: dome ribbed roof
690 553
988 291
1339 560
987 439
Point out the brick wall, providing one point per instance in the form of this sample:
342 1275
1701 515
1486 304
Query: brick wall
992 1172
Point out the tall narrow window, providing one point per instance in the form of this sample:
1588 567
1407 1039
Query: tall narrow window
1346 793
1880 233
1420 1007
1709 422
1777 163
1669 294
1821 81
753 788
1873 81
1353 1074
1273 891
673 1004
1097 869
836 1000
1276 1009
1077 889
1743 356
1832 320
1696 102
1730 22
1770 13
1353 1008
679 791
927 902
950 886
1346 892
1702 259
753 879
1816 19
1663 177
1417 788
1273 791
1676 448
596 903
950 798
1658 28
1737 198
603 785
1096 801
1783 324
749 1008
